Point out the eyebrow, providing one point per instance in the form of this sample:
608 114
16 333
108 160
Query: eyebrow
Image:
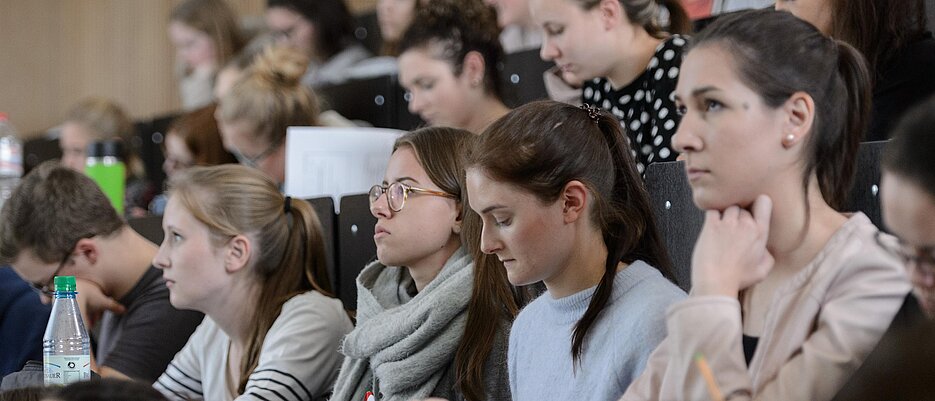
401 179
489 209
699 91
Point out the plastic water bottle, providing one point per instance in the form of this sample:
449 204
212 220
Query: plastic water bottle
66 346
11 159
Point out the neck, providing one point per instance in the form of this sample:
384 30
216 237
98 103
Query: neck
799 230
126 256
425 270
489 110
634 57
583 269
233 310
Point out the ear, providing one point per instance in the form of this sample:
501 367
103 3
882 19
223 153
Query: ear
574 200
86 252
799 116
474 68
237 253
611 13
459 220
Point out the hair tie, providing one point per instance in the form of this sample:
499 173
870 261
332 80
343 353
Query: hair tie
287 205
593 112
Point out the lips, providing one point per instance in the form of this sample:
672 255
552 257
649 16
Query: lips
379 232
695 173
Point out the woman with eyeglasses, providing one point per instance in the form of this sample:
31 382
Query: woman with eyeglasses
788 294
430 322
255 113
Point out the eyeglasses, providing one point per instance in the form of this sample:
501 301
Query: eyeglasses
922 258
397 193
253 161
48 288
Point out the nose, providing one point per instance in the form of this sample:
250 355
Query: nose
489 242
380 207
161 260
416 105
685 139
922 277
549 50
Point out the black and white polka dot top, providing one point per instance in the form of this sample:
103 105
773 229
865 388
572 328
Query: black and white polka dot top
646 106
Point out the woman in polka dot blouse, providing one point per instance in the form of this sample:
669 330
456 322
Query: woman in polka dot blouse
629 63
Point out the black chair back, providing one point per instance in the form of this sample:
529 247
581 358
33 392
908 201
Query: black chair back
150 227
38 150
355 245
678 219
367 31
324 208
865 194
521 77
379 101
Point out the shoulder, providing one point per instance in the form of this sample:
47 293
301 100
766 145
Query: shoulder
312 306
853 259
646 290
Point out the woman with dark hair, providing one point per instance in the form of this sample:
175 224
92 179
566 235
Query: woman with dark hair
448 63
893 37
431 320
561 203
788 294
323 31
627 53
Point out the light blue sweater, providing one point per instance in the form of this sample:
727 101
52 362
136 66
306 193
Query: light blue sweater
615 350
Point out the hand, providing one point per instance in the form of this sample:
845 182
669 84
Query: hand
731 253
93 302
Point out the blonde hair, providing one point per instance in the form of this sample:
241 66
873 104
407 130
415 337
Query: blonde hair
290 260
216 19
271 95
106 120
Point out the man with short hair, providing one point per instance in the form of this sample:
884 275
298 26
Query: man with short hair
58 222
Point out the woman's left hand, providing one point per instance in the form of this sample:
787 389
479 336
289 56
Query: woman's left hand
731 253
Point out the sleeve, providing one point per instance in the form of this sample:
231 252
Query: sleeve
182 378
511 359
666 118
152 332
853 317
300 358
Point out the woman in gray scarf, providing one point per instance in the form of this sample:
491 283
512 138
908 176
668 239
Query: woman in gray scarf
417 301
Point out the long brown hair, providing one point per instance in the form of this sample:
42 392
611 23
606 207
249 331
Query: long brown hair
438 150
231 200
216 19
879 29
199 131
836 78
647 14
542 146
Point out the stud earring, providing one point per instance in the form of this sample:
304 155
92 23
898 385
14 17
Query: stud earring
789 140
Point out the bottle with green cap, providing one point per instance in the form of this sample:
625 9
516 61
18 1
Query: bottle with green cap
66 345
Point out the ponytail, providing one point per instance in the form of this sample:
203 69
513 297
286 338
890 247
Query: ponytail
836 157
679 21
629 232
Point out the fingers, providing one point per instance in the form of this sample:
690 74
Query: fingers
110 304
762 212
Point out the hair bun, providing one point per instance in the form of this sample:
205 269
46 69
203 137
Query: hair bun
280 66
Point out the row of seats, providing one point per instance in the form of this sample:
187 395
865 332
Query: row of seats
349 235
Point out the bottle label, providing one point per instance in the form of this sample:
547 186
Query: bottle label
66 369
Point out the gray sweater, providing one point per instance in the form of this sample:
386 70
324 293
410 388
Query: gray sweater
615 350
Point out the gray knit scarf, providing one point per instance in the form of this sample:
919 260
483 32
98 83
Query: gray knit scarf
403 345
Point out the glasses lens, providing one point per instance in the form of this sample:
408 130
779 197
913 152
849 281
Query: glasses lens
375 192
397 196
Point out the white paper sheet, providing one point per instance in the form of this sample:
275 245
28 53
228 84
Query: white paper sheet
327 161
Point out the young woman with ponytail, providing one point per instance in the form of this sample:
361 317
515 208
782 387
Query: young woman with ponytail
788 295
627 53
253 262
561 203
432 320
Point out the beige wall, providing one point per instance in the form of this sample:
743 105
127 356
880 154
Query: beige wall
55 52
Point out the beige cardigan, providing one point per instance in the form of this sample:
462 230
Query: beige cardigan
820 327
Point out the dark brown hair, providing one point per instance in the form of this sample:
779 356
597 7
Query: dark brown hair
50 210
879 29
836 77
334 26
542 146
199 131
908 153
450 29
647 14
438 150
230 200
